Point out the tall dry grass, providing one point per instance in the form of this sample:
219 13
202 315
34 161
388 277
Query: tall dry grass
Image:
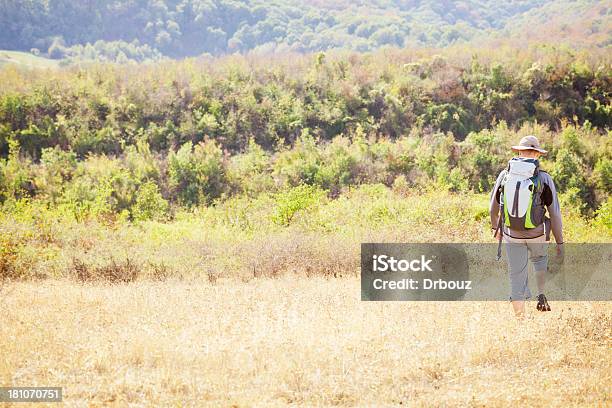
297 340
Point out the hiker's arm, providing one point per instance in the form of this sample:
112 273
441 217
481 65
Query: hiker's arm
494 203
554 211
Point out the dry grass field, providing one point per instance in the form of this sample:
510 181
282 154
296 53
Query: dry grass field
296 340
222 307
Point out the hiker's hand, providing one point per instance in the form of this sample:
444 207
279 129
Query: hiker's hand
498 234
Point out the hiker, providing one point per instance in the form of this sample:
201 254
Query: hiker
518 204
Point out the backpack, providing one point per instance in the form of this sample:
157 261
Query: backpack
521 195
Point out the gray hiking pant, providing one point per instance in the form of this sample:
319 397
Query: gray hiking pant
520 252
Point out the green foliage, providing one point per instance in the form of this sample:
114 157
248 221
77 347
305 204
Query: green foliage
290 202
15 175
603 174
150 205
106 187
482 155
249 172
103 140
197 175
112 141
603 215
447 118
142 163
300 164
120 52
330 168
339 166
104 109
57 168
570 172
84 198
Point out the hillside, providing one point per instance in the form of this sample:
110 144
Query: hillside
145 29
580 23
25 59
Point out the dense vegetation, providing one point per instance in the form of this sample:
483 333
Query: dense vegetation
144 29
139 141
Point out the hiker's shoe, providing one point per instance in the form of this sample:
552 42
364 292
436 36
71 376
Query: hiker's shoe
543 304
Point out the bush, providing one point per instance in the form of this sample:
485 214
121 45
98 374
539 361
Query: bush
603 215
197 175
57 167
10 258
331 166
98 141
290 202
150 205
84 198
300 164
338 166
16 178
250 172
483 154
447 118
142 163
569 174
100 187
603 174
113 272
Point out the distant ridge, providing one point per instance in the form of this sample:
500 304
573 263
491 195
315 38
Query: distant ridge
123 30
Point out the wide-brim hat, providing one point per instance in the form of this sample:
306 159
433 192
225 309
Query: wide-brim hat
529 143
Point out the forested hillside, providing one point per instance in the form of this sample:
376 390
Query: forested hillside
147 29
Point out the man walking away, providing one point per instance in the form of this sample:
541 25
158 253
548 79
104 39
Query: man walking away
522 194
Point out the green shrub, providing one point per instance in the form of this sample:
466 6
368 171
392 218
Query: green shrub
57 167
603 174
300 164
16 175
250 172
290 202
105 140
400 158
142 163
197 175
150 205
338 166
603 215
100 186
447 117
84 198
482 156
569 174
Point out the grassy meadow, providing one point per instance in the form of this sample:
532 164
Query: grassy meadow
244 238
26 60
227 306
297 341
